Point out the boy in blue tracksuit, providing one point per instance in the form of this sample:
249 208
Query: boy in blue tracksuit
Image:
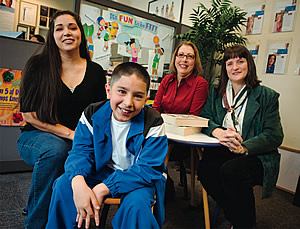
118 150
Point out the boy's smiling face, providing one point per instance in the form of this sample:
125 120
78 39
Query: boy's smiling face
127 97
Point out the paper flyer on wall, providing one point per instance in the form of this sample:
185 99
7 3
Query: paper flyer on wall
98 50
130 45
254 51
276 59
155 64
255 19
7 15
9 97
284 16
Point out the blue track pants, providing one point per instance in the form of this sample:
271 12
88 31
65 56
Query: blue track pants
134 212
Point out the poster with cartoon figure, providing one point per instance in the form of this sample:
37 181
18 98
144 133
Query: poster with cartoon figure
107 31
156 60
113 35
99 33
132 49
131 45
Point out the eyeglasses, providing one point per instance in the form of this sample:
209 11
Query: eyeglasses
188 56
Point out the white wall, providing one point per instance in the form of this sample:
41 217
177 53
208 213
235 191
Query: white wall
289 170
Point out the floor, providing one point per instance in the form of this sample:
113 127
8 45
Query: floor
277 212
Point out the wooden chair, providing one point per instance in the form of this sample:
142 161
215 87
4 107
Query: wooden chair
106 205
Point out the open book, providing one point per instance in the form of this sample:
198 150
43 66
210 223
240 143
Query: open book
185 120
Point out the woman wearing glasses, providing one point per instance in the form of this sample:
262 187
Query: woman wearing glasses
182 92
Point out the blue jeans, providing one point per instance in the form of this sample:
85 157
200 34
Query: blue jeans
47 153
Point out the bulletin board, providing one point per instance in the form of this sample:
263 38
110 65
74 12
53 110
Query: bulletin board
111 32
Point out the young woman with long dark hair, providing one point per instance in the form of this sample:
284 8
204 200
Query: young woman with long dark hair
57 84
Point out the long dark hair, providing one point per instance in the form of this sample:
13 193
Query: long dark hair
240 51
41 79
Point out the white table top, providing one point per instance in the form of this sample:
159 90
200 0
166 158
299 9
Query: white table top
198 139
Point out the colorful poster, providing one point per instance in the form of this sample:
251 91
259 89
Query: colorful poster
254 51
255 20
276 60
284 16
99 52
9 97
117 36
156 64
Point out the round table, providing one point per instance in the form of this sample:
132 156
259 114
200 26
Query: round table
196 140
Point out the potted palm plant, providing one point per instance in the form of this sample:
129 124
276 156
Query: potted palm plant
213 30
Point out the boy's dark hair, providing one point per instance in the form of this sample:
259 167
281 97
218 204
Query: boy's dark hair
129 68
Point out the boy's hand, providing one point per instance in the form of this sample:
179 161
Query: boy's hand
101 191
83 197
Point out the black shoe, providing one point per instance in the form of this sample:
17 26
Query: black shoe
24 211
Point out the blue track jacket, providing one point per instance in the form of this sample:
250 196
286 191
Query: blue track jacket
146 140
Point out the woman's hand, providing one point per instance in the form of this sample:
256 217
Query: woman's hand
83 198
230 138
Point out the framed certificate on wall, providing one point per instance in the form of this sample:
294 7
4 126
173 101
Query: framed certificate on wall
28 13
24 29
